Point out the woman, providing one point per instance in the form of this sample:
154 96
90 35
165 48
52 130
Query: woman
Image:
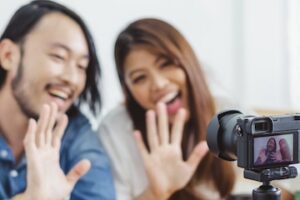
162 81
269 154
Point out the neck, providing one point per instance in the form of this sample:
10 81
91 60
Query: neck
13 122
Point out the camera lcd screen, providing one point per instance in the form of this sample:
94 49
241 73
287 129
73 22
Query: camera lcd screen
274 149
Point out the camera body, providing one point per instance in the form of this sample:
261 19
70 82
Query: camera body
257 143
267 142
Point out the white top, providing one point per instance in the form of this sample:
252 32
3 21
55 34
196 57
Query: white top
116 134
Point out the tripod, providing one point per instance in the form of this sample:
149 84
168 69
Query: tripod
266 191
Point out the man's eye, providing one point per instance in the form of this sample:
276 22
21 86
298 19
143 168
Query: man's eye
82 67
57 57
139 79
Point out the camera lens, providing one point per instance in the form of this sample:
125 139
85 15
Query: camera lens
221 134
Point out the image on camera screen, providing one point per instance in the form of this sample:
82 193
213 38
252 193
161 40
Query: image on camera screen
273 149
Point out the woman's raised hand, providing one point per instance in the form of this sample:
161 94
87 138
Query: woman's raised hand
45 179
167 171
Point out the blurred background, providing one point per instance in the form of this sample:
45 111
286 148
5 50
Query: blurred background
249 49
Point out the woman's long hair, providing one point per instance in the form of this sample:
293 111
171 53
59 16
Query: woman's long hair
162 39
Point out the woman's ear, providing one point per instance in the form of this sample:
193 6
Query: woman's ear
9 54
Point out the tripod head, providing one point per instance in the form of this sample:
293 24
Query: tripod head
266 190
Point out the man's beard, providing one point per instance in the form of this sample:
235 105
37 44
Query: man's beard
19 94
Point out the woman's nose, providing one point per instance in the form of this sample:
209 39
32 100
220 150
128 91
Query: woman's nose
159 82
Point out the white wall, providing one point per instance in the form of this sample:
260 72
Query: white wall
241 43
265 54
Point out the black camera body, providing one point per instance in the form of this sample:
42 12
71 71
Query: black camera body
254 135
263 146
257 143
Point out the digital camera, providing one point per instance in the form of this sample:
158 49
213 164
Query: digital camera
257 143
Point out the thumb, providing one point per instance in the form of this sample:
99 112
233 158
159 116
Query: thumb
197 155
79 170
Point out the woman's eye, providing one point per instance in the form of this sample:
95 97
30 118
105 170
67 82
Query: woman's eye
166 63
139 79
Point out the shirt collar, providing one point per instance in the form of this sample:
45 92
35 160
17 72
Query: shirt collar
6 154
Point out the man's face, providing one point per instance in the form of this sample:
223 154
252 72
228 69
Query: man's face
53 65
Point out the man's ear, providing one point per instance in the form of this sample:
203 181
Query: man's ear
9 54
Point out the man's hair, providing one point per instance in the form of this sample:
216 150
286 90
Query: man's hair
28 16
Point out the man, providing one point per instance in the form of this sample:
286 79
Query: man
47 56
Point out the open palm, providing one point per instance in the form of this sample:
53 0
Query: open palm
45 178
165 167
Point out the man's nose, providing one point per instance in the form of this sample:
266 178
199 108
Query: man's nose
71 73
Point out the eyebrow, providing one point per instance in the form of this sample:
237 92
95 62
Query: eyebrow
66 48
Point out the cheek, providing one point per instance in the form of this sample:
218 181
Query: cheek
141 95
81 84
181 78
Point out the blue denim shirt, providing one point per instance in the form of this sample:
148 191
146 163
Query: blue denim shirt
79 142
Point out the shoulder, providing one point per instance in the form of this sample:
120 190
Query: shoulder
77 122
79 126
116 130
118 114
81 141
116 135
117 120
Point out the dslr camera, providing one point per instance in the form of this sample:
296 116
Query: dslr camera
263 146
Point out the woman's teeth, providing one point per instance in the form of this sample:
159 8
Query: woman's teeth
169 97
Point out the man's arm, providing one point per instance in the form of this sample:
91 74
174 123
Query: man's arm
45 179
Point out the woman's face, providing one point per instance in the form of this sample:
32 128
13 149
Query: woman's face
152 79
271 145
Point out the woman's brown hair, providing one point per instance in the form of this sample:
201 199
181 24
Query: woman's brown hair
162 39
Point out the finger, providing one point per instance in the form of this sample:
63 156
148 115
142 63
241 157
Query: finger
151 130
41 125
79 170
163 126
198 153
51 122
59 131
141 145
29 140
178 126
